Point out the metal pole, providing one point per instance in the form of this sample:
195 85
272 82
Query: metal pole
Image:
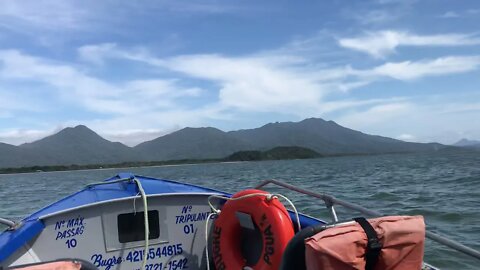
330 200
453 244
7 222
326 198
333 213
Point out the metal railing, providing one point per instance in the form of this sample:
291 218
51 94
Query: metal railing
7 222
330 201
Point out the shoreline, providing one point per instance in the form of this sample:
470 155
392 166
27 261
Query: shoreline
169 163
49 169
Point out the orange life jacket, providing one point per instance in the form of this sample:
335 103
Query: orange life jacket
344 247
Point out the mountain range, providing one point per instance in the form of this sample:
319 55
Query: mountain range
468 144
80 145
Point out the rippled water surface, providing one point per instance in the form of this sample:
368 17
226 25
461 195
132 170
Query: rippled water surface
444 187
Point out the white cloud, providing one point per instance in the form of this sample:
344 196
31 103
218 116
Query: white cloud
380 44
245 84
138 104
463 107
254 84
141 127
402 2
406 137
132 137
423 119
331 106
473 11
201 7
55 25
375 16
19 136
450 14
348 78
376 115
302 79
12 101
159 89
273 80
26 15
269 82
68 82
99 53
97 95
460 14
409 70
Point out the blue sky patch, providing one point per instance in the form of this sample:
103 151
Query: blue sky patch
135 70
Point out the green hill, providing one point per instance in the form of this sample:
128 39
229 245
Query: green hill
281 152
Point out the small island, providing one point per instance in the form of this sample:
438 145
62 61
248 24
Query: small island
277 153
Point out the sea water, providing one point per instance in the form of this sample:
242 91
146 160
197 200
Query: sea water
444 187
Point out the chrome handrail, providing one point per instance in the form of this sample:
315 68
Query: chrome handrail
7 222
330 201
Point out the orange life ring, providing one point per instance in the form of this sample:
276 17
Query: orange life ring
269 216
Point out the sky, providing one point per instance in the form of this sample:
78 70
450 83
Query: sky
136 70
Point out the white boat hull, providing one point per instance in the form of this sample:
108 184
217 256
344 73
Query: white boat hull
91 233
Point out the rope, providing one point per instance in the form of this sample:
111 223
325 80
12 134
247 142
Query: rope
216 211
269 197
206 238
145 218
145 209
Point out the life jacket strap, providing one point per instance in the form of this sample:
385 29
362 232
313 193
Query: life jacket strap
373 247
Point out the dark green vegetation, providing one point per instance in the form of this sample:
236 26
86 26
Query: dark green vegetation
283 152
276 153
82 146
74 167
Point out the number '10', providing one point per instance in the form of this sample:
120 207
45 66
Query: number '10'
71 243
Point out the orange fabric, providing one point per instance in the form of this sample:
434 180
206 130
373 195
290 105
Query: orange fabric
54 266
343 247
